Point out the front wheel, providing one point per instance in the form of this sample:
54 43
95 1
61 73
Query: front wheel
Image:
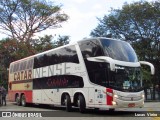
81 103
111 109
67 102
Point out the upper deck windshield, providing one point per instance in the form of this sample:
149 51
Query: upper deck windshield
119 50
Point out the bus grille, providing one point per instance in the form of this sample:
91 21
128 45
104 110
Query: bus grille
129 98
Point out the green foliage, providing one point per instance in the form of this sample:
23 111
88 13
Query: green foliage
12 50
21 19
134 22
62 40
146 76
139 24
42 44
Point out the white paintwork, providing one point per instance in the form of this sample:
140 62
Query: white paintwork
37 96
128 96
53 96
113 62
149 64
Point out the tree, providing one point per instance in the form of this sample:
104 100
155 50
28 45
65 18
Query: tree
9 51
42 43
21 19
137 23
62 40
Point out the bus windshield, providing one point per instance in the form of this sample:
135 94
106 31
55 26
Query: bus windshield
119 50
126 79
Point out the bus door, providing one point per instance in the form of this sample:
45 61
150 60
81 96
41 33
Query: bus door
97 95
100 77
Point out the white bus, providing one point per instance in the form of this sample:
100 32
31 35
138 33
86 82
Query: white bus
91 73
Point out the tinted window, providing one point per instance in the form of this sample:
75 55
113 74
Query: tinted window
40 61
61 81
66 54
21 65
11 68
119 50
90 48
127 79
16 67
29 64
97 71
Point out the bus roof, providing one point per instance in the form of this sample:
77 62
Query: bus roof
85 39
32 56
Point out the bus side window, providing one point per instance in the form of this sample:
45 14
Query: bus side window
11 68
96 71
16 67
100 77
23 65
29 64
90 48
63 55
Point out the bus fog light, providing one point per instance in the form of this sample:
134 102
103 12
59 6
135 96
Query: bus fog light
115 96
114 103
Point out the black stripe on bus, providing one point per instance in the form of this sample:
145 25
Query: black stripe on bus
61 81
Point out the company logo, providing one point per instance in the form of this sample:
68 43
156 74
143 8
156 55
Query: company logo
6 114
21 114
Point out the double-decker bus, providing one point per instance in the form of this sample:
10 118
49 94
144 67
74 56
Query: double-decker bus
91 73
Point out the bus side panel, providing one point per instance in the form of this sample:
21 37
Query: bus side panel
37 96
28 95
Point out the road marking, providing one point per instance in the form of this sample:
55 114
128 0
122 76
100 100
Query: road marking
153 118
150 109
156 118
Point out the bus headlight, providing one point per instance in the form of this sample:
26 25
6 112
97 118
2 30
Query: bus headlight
143 96
114 103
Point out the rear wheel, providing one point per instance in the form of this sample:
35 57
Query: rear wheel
111 109
67 102
23 101
81 103
18 101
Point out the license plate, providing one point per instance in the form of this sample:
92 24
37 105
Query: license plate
131 105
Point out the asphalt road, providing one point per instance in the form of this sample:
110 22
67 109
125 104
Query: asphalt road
39 112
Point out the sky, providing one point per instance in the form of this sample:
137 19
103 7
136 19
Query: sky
83 16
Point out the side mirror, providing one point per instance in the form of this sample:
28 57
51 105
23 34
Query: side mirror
149 64
103 59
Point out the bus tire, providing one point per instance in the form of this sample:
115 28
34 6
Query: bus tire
18 101
67 101
23 101
81 104
111 109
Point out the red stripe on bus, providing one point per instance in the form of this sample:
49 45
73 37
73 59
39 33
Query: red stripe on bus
109 96
28 94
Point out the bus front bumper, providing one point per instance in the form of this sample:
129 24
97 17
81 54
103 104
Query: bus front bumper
127 104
